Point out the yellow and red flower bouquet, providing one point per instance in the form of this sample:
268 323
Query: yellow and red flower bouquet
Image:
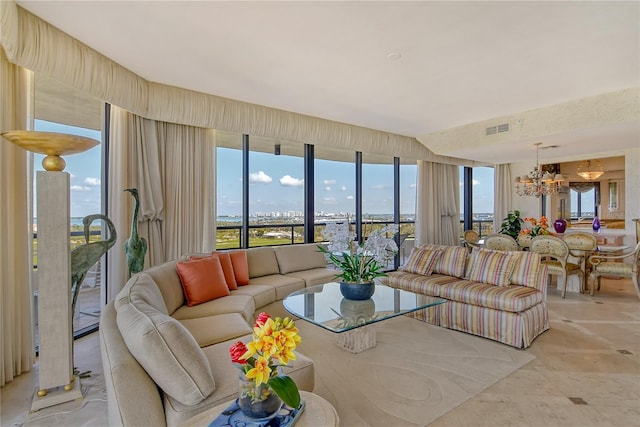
272 346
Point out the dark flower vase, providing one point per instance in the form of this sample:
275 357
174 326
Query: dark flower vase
560 225
357 291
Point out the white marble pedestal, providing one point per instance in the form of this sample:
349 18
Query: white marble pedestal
56 382
357 340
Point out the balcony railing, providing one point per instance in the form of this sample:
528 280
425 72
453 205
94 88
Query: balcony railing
230 236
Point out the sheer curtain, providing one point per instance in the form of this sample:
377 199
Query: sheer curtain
173 168
438 204
502 194
17 353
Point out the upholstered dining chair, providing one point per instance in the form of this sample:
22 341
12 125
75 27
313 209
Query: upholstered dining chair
555 253
524 241
607 265
500 242
581 245
471 239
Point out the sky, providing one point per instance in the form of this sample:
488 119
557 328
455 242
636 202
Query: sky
276 182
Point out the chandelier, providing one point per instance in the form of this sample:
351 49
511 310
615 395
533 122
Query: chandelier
584 170
538 183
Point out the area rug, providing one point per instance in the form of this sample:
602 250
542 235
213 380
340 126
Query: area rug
416 373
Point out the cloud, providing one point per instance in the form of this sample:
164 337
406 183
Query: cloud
343 188
327 188
474 182
349 197
92 181
329 181
80 188
329 199
412 186
378 187
289 181
259 177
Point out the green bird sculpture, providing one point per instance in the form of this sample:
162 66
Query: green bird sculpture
135 247
85 256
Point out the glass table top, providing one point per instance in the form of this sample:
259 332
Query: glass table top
324 306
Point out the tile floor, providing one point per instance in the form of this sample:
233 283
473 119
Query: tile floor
586 372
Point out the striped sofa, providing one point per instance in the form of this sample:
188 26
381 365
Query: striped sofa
500 295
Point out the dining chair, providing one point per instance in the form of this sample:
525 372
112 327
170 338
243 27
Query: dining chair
524 241
471 239
610 265
581 245
555 255
500 242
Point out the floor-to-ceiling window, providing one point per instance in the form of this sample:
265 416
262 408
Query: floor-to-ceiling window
477 189
229 206
276 192
377 194
334 188
274 184
408 175
483 189
265 188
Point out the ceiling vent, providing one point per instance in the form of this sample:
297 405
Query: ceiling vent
492 130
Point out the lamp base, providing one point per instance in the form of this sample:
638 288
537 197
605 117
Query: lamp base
57 395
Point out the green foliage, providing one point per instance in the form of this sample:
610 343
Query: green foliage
286 390
355 268
512 224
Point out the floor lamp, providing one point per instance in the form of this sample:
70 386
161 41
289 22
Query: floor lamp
56 381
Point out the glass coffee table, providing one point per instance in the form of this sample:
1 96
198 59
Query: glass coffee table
352 321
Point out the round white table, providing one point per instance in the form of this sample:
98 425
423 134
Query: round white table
317 412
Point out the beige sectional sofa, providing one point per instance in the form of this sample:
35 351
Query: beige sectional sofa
500 295
165 362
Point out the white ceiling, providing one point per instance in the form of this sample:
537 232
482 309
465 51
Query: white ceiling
459 62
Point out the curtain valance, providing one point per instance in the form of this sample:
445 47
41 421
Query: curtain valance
35 44
583 187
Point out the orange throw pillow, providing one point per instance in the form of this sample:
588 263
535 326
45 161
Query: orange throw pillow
227 268
240 266
202 280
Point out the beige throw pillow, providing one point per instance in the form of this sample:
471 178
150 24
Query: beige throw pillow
167 351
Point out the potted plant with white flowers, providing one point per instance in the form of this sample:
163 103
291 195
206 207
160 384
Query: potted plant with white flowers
359 263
